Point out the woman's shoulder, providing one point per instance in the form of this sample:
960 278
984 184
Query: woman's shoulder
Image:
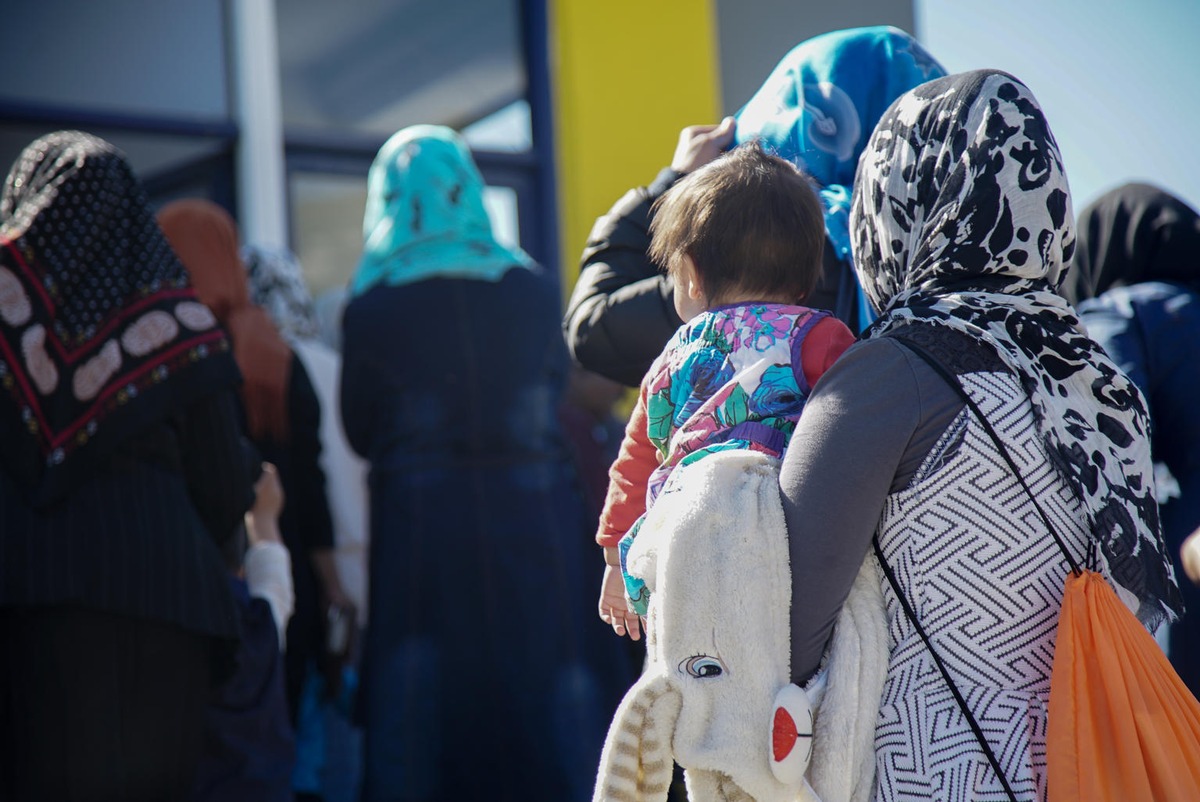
871 374
882 375
533 278
876 353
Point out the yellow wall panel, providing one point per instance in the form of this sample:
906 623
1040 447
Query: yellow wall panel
627 76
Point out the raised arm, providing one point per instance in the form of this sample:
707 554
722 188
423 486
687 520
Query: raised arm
621 313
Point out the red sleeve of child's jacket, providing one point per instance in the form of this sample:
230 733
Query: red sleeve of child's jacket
627 479
822 346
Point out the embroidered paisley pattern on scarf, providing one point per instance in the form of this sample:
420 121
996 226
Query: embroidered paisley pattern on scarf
91 342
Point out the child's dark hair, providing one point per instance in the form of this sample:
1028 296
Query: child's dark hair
749 220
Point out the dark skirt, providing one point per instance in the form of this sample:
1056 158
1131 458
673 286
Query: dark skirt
487 673
99 707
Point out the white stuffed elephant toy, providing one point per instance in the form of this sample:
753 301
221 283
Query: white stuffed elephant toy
716 695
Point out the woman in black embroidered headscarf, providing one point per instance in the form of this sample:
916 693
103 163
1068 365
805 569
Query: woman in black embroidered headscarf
1139 252
122 469
963 229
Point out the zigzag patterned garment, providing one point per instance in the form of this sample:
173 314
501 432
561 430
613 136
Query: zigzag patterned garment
987 586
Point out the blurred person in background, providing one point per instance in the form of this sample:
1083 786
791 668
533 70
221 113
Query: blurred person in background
122 473
593 430
277 285
328 307
249 745
480 678
1139 256
282 417
816 109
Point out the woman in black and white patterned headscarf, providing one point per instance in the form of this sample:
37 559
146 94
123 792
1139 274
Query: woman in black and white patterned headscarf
962 230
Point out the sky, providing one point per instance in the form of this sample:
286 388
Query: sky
1118 80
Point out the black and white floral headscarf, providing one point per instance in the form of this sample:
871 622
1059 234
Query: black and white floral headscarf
277 285
962 217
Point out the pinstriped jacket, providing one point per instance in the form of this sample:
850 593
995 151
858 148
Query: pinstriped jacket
141 536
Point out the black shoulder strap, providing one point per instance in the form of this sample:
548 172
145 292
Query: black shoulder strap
958 697
953 381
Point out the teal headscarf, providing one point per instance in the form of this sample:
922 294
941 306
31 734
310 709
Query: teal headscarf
820 104
425 216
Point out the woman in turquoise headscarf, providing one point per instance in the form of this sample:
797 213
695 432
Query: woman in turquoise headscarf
817 109
453 368
425 216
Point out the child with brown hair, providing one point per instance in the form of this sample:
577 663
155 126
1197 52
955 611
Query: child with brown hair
742 239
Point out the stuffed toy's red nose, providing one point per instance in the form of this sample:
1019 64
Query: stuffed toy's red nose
783 734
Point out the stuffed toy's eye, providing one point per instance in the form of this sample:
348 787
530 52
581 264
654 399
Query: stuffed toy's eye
702 667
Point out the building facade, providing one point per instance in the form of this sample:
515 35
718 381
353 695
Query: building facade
275 108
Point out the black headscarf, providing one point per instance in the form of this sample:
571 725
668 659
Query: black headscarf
1134 233
101 334
962 218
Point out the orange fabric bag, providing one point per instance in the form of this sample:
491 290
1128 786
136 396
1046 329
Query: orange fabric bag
1123 726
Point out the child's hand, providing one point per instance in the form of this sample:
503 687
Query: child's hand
262 518
614 610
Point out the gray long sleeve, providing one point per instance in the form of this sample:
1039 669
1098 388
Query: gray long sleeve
868 425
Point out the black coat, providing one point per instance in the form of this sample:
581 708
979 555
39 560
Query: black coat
450 388
141 536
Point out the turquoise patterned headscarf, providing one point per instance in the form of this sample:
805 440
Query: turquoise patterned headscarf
425 216
820 104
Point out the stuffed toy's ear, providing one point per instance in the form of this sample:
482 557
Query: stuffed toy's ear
636 765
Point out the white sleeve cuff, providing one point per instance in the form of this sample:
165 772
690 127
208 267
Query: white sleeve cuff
269 576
